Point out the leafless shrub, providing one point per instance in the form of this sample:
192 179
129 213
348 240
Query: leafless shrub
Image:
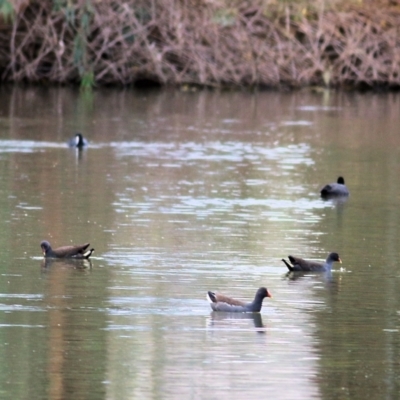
200 42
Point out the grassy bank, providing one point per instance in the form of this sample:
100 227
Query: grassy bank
214 43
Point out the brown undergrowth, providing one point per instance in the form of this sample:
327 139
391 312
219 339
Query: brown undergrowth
201 42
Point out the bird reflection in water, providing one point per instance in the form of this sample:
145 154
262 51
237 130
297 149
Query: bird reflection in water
49 263
234 320
329 280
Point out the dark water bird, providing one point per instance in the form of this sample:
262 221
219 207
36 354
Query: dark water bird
78 141
219 302
77 252
299 264
335 189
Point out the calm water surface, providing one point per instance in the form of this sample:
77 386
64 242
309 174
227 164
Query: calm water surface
181 193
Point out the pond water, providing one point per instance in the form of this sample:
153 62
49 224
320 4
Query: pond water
184 192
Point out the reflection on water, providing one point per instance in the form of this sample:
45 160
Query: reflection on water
48 263
329 282
181 193
221 320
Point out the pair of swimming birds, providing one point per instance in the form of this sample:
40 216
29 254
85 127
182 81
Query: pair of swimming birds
82 252
219 302
335 189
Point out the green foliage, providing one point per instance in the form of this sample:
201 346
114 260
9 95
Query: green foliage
6 10
225 17
86 100
87 81
58 5
80 60
79 18
79 52
143 14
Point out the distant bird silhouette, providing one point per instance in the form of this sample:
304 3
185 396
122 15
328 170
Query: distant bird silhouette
219 302
77 141
335 189
299 264
78 252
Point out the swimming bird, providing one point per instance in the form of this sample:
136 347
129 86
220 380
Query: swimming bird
335 189
299 264
78 252
77 141
219 302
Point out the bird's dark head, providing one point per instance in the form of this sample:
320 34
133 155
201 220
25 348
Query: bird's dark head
335 257
45 245
263 292
340 180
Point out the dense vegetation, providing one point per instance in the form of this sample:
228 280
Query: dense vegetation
201 42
